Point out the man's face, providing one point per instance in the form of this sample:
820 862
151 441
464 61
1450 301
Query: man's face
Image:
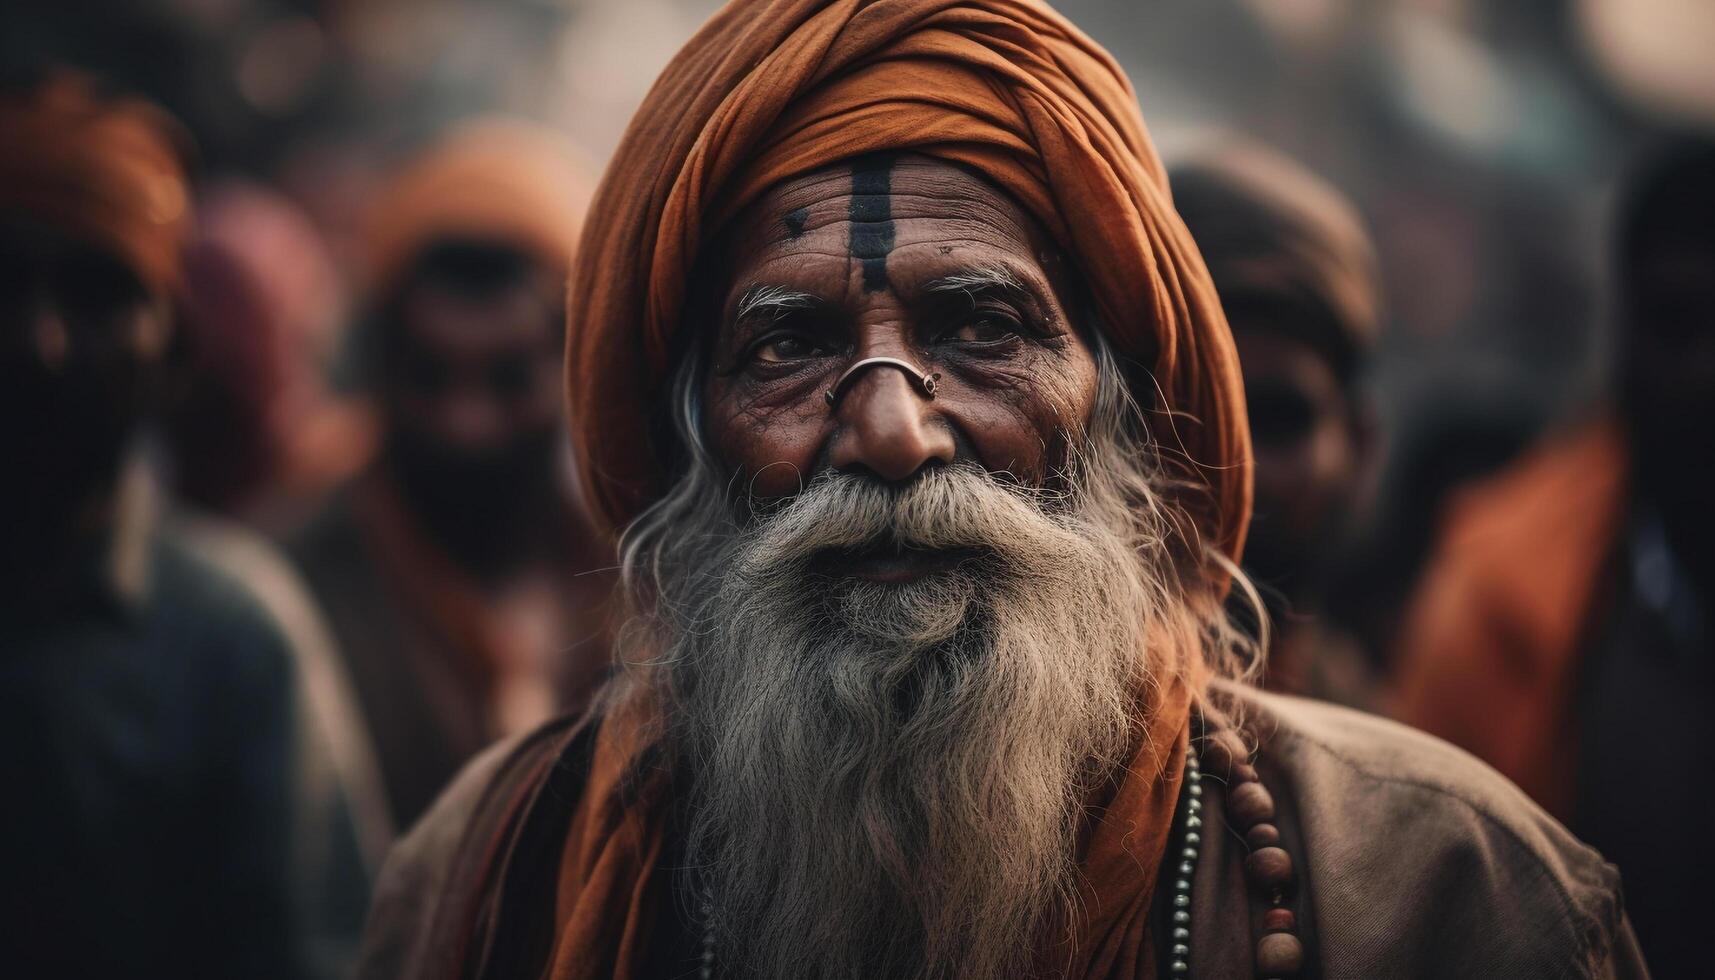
1308 455
471 389
473 375
81 344
893 257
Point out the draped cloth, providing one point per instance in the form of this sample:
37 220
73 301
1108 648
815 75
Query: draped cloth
605 903
772 89
1494 639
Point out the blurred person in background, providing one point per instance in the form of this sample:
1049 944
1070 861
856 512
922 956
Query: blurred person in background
464 586
1297 276
256 430
1564 630
171 807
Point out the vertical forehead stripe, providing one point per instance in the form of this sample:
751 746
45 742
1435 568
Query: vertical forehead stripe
872 219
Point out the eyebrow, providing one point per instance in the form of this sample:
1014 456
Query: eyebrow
984 279
772 302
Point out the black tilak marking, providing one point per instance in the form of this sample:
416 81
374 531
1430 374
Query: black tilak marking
795 222
872 219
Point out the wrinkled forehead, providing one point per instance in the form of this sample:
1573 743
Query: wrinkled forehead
888 214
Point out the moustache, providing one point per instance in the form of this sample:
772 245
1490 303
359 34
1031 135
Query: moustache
960 511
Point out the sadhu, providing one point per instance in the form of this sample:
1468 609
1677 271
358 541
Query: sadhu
928 673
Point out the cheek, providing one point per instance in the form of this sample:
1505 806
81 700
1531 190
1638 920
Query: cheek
1021 426
772 446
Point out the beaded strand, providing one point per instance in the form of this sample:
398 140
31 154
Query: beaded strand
1268 868
1190 846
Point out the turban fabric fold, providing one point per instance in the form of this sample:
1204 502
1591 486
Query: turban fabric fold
773 89
107 171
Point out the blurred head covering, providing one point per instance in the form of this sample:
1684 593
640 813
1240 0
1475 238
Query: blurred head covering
256 425
107 170
279 245
772 89
492 180
1277 236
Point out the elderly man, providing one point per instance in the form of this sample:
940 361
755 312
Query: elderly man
1298 279
922 680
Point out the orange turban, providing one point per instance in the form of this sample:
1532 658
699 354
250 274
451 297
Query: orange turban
109 171
501 180
772 89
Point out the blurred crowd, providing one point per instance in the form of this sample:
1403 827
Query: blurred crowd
288 533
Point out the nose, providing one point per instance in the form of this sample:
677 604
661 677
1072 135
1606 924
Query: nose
888 427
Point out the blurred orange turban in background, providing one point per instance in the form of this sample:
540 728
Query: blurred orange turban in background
495 180
108 171
772 89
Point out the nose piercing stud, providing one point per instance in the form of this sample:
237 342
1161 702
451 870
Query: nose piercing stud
926 383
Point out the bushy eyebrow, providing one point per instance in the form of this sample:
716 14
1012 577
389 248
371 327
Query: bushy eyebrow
772 302
973 282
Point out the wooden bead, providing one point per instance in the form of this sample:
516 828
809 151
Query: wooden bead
1279 920
1263 835
1270 869
1249 804
1222 751
1279 954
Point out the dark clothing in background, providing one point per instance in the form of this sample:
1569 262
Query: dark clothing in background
149 731
1646 744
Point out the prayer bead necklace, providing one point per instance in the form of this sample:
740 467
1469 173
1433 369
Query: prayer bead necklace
1268 868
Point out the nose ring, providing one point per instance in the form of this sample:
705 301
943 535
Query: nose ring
926 383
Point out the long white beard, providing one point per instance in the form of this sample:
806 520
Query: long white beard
888 777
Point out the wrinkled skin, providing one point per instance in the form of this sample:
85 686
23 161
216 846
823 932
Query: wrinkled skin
868 246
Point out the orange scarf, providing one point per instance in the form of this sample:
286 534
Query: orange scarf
1493 643
604 909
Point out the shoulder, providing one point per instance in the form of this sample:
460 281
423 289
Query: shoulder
1416 853
430 886
212 605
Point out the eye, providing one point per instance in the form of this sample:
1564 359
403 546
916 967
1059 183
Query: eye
985 327
780 347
